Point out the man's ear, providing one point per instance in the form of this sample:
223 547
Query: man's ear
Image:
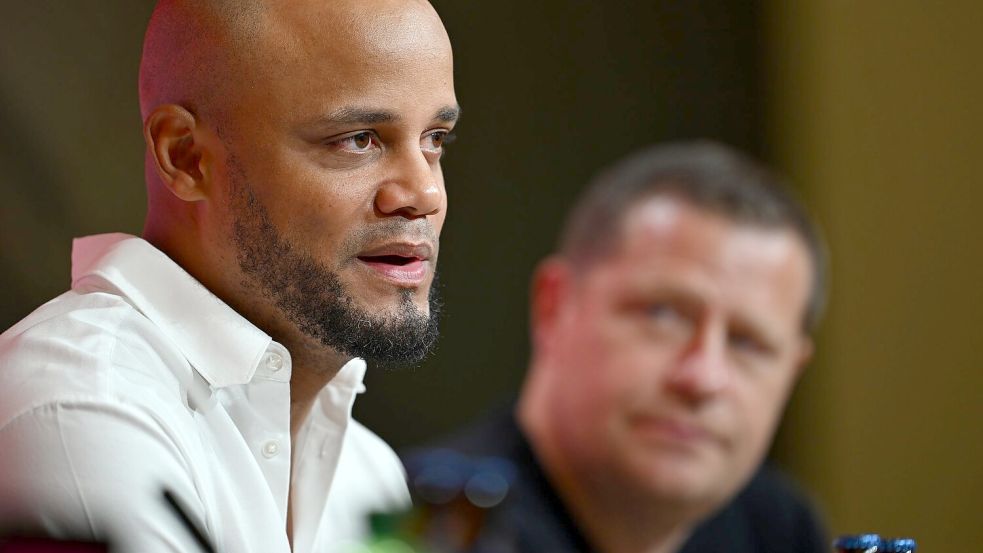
806 349
551 283
174 142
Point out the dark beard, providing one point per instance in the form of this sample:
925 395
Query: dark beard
313 297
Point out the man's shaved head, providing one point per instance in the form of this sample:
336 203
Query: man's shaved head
194 49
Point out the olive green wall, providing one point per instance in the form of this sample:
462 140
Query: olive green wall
875 109
71 152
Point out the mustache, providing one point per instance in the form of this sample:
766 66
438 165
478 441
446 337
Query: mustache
391 230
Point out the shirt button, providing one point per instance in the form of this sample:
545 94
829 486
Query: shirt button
274 362
271 448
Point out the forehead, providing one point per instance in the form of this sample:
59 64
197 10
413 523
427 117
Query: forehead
312 53
667 242
368 31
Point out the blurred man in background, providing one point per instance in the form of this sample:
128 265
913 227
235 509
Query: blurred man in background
667 335
295 201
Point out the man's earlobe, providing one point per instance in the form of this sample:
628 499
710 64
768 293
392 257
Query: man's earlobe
170 135
806 349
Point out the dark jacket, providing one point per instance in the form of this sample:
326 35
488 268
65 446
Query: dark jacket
768 516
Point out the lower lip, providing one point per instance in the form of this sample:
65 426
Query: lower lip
411 274
668 431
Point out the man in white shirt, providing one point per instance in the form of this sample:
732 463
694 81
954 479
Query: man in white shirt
295 203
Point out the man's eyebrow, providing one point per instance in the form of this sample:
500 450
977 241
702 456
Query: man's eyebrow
448 114
353 115
368 116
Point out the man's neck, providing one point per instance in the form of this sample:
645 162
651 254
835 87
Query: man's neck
616 524
313 367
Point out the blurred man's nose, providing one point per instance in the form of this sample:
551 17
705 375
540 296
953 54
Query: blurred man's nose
412 189
702 370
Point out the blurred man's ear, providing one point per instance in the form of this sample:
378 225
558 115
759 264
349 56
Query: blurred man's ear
176 146
551 286
804 355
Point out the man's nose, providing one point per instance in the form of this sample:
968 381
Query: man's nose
412 189
703 370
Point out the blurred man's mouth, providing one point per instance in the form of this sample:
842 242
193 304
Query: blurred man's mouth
403 263
673 431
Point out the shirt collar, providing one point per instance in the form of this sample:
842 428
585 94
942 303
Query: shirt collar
223 346
337 398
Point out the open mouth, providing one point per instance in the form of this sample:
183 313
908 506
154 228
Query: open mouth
396 260
404 264
399 269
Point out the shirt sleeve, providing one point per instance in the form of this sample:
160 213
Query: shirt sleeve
96 471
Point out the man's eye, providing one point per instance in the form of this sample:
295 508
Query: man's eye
665 321
745 342
662 312
357 143
434 141
667 317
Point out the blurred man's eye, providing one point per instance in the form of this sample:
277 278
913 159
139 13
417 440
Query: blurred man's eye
662 311
665 316
748 343
743 342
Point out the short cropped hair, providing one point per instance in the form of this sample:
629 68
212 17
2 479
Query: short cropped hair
708 176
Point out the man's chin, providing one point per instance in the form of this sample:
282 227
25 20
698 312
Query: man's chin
390 331
692 481
395 310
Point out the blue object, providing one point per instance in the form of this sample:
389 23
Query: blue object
860 542
899 545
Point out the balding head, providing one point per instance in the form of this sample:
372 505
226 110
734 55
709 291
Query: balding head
288 138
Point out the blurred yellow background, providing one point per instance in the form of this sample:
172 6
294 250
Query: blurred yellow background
876 112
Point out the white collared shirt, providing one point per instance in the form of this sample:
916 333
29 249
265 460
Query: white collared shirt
139 379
